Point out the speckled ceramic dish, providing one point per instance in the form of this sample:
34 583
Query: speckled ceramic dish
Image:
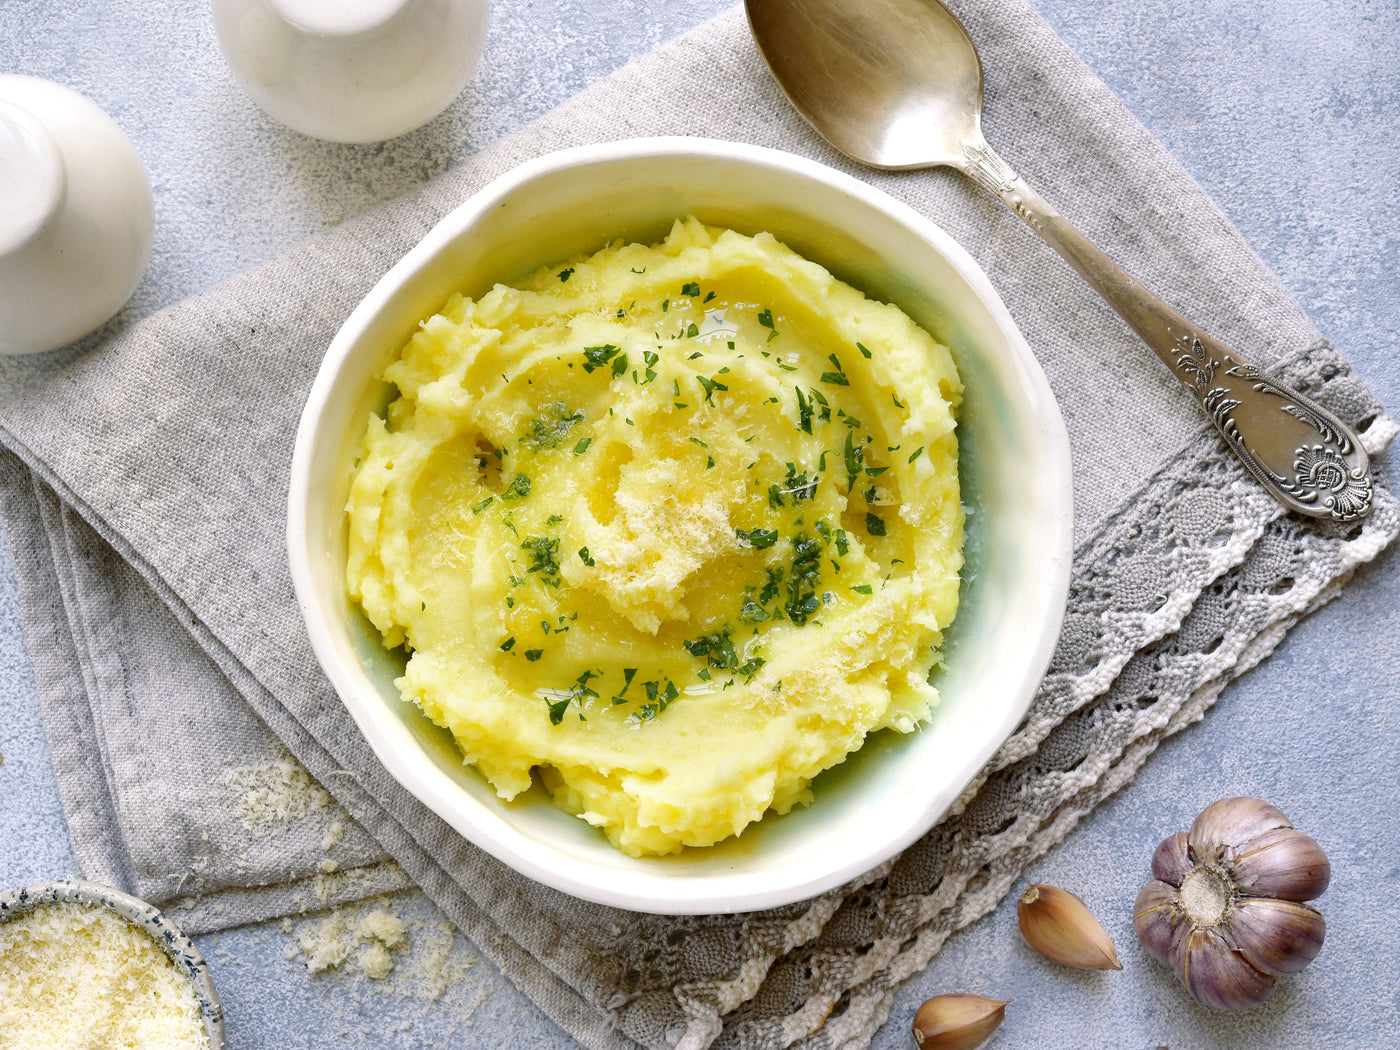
169 936
1013 462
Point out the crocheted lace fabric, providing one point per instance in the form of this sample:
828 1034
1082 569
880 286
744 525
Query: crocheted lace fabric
144 491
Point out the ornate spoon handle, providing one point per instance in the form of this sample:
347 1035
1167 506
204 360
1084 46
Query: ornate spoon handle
1305 456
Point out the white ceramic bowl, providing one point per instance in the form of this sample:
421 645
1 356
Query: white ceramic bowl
1015 469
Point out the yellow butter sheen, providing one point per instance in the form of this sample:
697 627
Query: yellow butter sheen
675 526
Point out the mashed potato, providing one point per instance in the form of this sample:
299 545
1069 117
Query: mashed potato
675 526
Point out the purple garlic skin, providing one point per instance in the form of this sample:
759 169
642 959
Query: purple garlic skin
1225 906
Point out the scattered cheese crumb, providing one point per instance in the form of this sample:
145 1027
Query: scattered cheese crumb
275 792
425 960
330 942
79 975
332 837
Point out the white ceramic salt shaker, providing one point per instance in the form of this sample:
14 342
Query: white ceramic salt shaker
352 70
76 216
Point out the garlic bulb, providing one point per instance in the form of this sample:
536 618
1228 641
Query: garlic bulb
1224 908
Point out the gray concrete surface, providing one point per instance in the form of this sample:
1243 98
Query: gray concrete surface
1286 111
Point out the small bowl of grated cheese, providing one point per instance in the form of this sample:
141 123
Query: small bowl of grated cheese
85 965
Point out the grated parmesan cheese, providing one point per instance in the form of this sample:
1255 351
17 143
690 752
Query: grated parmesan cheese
79 975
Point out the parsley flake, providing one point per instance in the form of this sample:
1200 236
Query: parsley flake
595 357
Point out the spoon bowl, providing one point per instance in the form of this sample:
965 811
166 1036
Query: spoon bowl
893 85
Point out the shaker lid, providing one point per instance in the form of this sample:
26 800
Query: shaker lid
343 18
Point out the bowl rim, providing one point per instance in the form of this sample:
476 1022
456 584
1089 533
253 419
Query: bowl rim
675 895
162 929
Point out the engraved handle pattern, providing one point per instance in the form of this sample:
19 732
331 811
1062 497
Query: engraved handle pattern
1310 460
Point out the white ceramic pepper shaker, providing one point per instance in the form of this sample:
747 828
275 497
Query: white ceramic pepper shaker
76 216
352 70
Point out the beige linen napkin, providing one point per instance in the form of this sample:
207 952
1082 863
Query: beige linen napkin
144 491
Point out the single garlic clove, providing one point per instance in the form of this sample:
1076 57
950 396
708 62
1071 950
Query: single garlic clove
1061 927
957 1021
1282 863
1159 921
1223 825
1275 936
1217 976
1172 859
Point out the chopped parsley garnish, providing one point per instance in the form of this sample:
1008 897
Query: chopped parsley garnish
862 588
710 386
760 539
544 558
804 412
874 524
508 644
659 698
770 588
855 460
806 574
518 488
690 288
798 485
619 365
838 377
566 273
864 352
717 650
775 496
534 654
550 429
628 673
595 357
554 519
765 318
585 557
916 453
752 612
481 505
843 544
582 446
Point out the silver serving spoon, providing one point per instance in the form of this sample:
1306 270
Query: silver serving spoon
897 84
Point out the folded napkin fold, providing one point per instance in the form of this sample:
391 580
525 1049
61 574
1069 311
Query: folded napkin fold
205 763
